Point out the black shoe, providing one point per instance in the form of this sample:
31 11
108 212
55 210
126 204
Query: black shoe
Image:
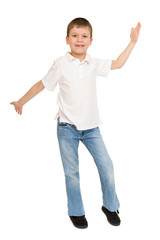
79 222
112 217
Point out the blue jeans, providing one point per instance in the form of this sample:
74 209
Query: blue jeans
68 138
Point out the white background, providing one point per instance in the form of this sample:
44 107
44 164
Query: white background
32 190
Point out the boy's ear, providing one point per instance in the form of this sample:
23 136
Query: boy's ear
67 39
91 40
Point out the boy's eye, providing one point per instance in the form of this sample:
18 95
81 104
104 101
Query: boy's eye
84 36
74 35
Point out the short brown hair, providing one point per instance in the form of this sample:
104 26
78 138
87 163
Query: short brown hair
79 22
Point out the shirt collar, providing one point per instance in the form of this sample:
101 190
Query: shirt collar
71 58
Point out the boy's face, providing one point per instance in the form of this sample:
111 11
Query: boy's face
79 41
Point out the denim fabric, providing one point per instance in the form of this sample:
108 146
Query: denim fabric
68 138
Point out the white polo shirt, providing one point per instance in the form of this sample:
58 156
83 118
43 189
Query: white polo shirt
77 97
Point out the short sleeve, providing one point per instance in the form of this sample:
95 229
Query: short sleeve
103 67
51 78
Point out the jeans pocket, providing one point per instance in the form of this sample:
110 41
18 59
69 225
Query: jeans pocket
62 124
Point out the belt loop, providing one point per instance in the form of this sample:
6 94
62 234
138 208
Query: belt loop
58 119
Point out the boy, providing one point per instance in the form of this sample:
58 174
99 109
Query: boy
78 116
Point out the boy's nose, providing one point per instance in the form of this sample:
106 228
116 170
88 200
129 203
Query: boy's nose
79 39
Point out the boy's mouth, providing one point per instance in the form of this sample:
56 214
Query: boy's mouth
79 45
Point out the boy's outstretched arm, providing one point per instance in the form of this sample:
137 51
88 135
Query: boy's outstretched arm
37 88
120 61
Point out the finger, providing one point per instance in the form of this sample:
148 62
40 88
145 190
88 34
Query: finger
132 30
19 111
138 26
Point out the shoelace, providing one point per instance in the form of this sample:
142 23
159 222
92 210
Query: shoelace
114 213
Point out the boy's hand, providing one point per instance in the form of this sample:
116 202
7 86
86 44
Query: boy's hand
120 61
17 107
135 33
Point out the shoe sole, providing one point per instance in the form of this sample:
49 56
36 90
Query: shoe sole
81 227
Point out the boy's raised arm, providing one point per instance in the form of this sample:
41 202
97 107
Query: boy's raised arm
35 89
120 61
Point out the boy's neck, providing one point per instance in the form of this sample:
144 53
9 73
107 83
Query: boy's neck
81 57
